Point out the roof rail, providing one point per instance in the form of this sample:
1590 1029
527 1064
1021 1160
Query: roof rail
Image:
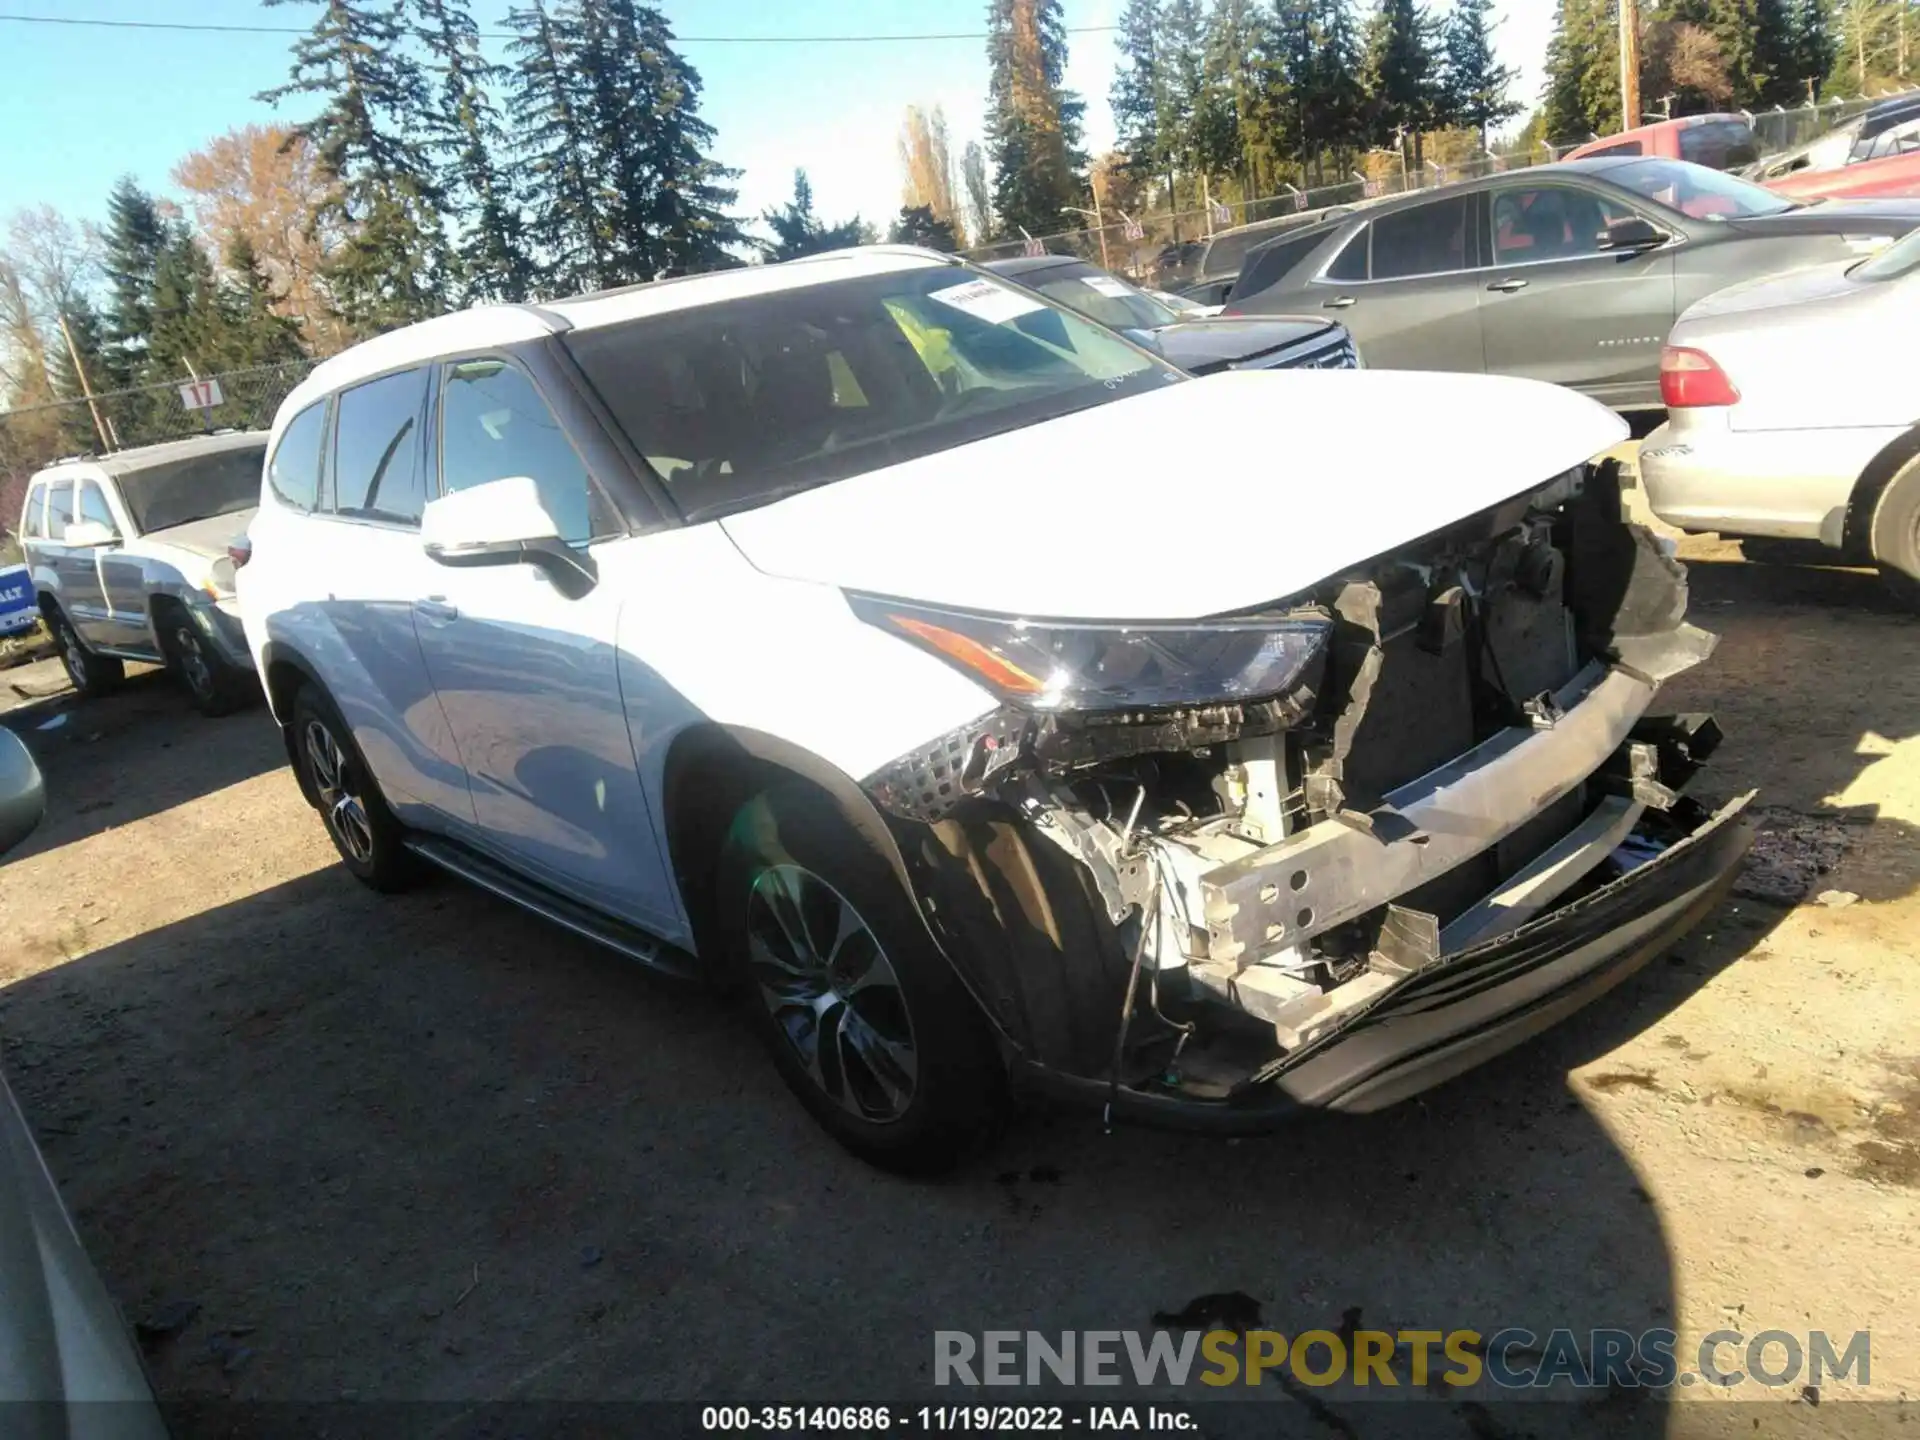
919 251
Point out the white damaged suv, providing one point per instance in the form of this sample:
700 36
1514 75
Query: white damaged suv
994 706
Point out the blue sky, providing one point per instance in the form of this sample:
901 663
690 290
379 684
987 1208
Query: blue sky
82 105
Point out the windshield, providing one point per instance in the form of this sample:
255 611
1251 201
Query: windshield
1898 259
161 496
1103 297
1696 191
738 403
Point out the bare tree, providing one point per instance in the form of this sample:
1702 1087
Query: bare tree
266 184
927 165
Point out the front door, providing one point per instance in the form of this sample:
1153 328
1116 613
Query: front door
1555 306
1405 287
123 580
528 678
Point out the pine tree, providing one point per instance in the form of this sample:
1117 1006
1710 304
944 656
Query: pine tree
257 333
1813 44
797 231
1475 81
390 267
132 242
1582 95
1141 101
465 137
189 325
568 225
1033 124
1400 75
918 225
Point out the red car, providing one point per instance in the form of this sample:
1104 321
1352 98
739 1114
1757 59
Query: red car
1892 177
1720 142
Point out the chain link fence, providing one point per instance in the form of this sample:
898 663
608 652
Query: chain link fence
1165 249
33 436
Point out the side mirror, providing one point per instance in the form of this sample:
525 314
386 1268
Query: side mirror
503 522
1631 234
88 534
23 798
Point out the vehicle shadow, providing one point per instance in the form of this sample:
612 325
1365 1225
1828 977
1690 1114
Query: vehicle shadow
428 1148
84 748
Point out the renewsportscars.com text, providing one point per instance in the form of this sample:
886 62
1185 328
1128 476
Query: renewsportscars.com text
1511 1358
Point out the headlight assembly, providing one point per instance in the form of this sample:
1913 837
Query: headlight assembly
1072 665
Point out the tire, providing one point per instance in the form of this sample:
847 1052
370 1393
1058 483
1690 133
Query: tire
372 844
880 1041
91 675
214 686
1896 536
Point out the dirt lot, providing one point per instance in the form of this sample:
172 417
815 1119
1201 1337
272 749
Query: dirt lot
428 1148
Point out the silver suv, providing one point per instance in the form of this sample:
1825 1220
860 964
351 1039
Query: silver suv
130 557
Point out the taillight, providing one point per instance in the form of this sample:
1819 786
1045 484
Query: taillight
1691 378
239 550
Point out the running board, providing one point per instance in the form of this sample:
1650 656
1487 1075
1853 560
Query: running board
616 935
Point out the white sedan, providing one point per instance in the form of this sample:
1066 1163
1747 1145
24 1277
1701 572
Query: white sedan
1792 408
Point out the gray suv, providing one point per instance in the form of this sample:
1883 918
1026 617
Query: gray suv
130 554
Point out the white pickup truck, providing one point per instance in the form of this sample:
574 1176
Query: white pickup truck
129 554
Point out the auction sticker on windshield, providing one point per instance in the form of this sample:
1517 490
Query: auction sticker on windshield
1106 285
987 301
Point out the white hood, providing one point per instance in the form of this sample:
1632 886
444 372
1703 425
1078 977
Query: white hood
1207 496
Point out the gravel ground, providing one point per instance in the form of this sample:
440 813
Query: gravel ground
428 1148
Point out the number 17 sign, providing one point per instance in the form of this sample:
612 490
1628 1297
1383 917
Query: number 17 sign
202 394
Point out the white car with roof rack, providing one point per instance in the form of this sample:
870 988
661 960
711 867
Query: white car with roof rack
823 629
132 558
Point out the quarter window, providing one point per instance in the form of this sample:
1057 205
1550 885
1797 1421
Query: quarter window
376 450
1423 240
33 523
1549 222
59 509
494 425
93 506
295 471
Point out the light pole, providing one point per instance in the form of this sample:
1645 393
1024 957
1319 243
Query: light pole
1099 226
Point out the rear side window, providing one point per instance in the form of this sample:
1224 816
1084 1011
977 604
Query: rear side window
1267 267
33 520
493 425
295 471
1425 240
377 473
59 509
1719 145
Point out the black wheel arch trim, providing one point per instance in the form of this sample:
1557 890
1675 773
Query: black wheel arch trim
1864 502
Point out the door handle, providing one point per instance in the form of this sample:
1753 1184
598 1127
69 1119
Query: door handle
1339 302
436 609
1509 285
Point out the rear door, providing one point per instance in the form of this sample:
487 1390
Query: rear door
1406 287
1556 306
74 571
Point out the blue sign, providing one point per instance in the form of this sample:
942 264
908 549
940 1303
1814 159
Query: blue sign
17 608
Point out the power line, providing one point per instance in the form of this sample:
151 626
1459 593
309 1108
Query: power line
208 28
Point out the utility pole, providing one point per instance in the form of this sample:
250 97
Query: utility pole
1629 64
108 440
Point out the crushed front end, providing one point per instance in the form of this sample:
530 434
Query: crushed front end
1426 811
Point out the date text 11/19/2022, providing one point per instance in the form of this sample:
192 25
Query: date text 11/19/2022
935 1419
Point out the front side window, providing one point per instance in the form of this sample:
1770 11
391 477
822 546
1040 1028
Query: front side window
158 497
1422 240
1549 222
33 520
94 507
1697 192
295 471
59 509
740 402
376 449
494 425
